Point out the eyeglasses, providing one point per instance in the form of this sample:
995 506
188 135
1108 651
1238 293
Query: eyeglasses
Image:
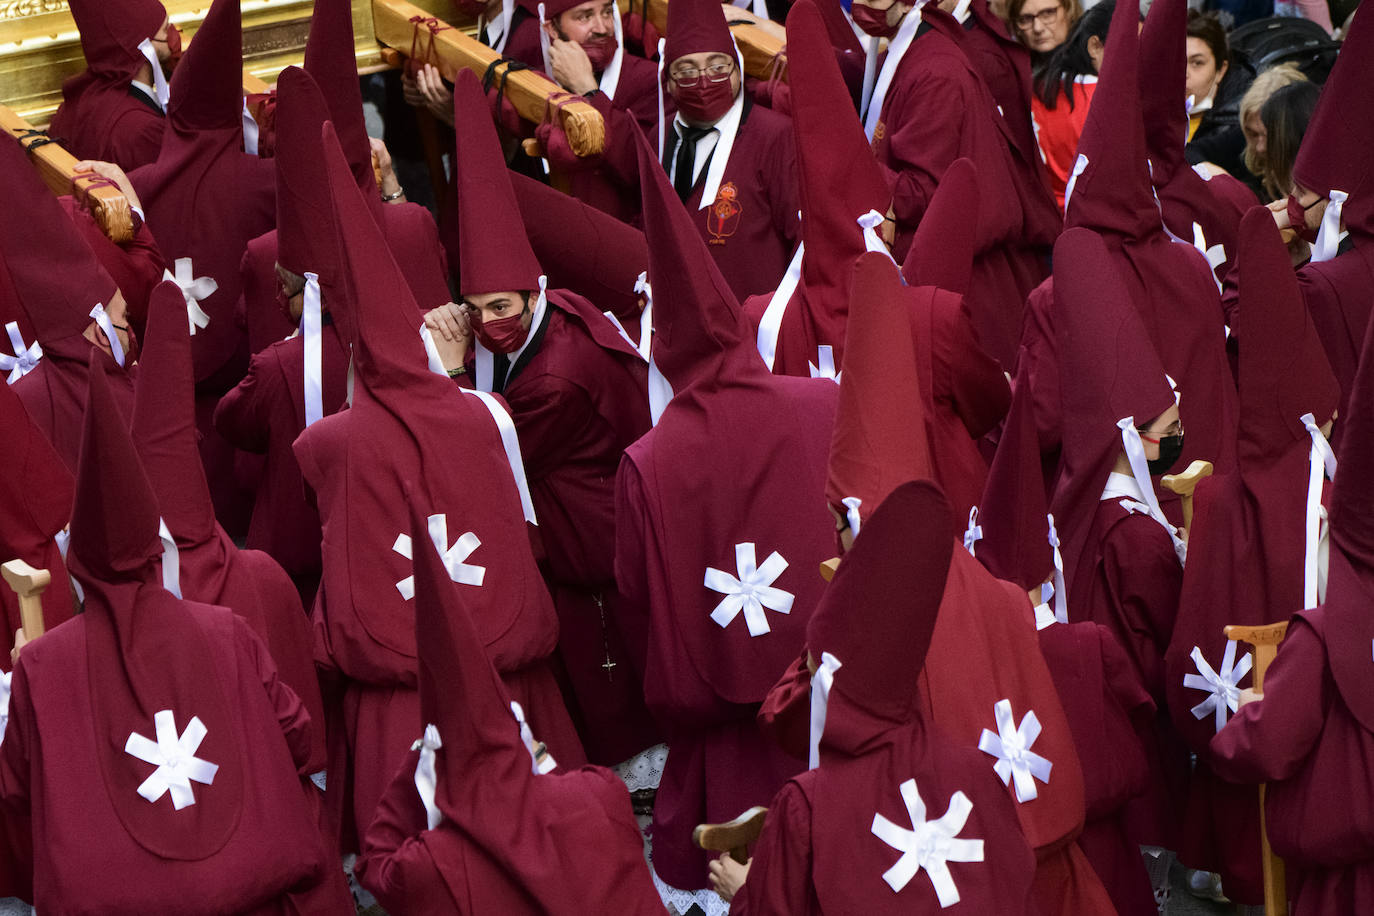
1046 18
1173 429
716 73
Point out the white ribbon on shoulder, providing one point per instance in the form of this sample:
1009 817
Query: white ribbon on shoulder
1320 458
102 321
821 682
25 357
770 325
1080 165
896 50
1329 236
1135 454
171 559
538 765
1059 590
426 775
161 88
973 533
312 340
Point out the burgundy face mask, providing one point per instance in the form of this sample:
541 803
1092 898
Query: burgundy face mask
1297 220
503 335
600 51
873 22
173 47
703 101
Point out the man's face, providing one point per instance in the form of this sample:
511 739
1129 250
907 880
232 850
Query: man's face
584 22
160 45
495 306
711 64
1313 204
896 11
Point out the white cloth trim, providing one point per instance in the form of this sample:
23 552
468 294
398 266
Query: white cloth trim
171 559
4 704
973 533
1329 236
770 325
824 366
498 29
311 331
1320 459
250 130
25 357
1059 590
610 77
193 289
1135 454
161 90
537 767
427 776
102 321
821 682
896 49
1080 165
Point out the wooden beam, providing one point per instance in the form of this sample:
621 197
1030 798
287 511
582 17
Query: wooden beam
397 25
57 168
759 49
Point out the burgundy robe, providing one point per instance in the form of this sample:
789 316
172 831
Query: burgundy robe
636 95
136 266
1339 295
263 415
705 701
400 864
938 110
54 393
785 879
108 121
1306 744
49 765
577 405
1129 580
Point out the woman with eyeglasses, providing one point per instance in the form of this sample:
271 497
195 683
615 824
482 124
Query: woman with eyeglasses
1042 25
1064 85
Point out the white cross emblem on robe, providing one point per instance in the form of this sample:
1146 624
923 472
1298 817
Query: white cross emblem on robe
193 289
751 592
931 845
175 759
453 556
1223 692
1012 748
825 357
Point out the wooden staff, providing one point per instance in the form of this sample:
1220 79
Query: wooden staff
57 168
1266 641
734 837
1185 483
449 50
28 583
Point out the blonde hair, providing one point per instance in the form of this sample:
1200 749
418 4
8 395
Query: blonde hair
1266 84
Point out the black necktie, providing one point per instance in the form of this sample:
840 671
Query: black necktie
686 159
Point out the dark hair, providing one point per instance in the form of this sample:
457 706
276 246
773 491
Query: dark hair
1071 59
1208 27
1285 115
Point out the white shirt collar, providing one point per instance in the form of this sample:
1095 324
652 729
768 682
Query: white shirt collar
1122 486
722 136
146 90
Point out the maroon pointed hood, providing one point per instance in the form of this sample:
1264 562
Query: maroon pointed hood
144 652
1104 348
164 421
879 441
305 216
207 85
495 255
878 614
1015 544
1335 151
1350 580
55 274
583 249
941 252
408 423
332 63
1164 85
698 325
838 177
112 30
1113 194
696 27
1284 372
511 828
838 27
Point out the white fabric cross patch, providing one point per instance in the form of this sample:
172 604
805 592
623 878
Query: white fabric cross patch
453 556
751 592
1224 694
1011 745
175 759
194 290
930 845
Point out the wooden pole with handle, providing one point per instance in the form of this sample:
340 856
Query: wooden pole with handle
28 583
734 836
1266 641
1185 482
